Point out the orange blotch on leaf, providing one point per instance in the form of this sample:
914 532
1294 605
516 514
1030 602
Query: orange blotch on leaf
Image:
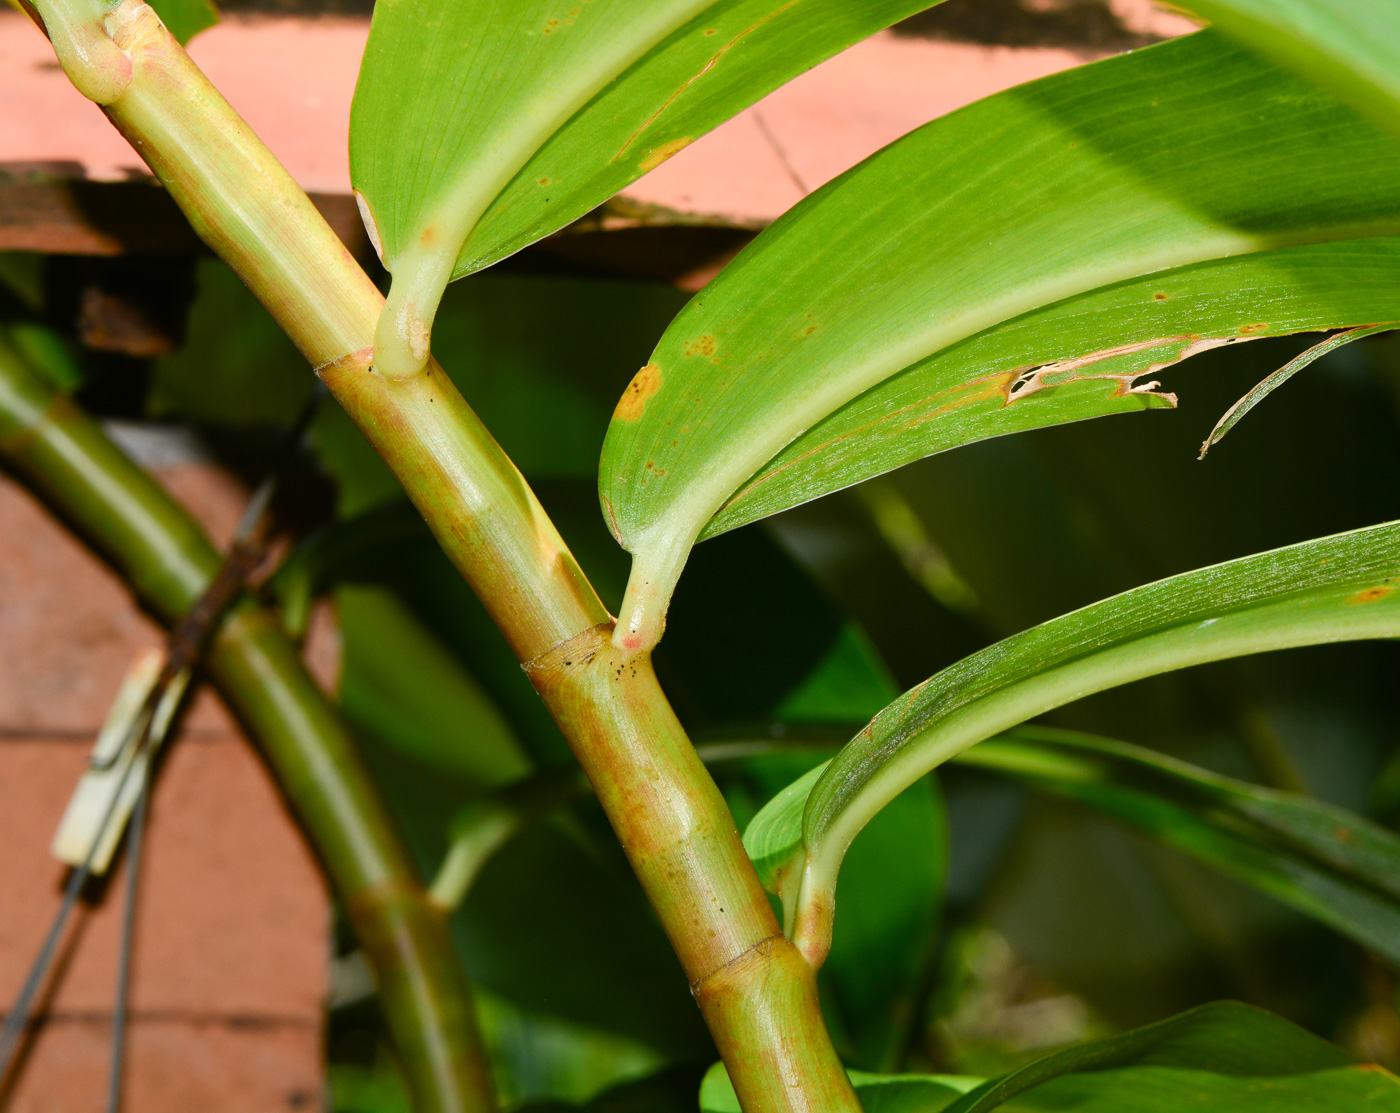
701 346
660 154
1370 594
634 399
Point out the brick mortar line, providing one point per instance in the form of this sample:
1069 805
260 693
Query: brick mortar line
14 735
238 1021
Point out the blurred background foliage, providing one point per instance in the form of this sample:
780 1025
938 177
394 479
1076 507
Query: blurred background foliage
981 923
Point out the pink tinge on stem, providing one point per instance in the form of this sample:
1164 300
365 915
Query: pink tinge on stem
655 569
812 933
643 618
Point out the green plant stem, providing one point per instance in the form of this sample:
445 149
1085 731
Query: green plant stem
757 994
168 560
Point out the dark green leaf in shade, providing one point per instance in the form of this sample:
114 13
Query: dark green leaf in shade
47 353
22 273
1334 589
1351 46
1223 1058
1235 413
400 682
1324 861
236 368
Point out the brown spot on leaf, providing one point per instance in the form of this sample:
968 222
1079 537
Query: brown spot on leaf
1250 330
1159 297
1370 594
701 346
978 390
634 399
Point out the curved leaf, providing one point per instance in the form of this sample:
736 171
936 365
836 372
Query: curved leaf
400 683
1323 860
1262 390
1352 46
1205 1060
479 126
1182 153
1334 589
488 823
1078 359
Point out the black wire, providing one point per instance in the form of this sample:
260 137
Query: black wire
18 1019
16 1022
135 837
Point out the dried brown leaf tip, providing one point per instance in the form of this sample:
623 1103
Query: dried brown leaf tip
633 402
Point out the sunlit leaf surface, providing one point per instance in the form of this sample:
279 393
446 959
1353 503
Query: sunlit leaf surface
1185 153
480 126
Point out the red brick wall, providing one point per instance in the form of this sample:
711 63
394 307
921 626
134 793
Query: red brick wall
231 947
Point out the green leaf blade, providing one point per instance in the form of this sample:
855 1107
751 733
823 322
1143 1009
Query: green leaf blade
1351 46
1078 359
1262 390
479 127
1175 155
1329 864
186 18
1333 589
1216 1051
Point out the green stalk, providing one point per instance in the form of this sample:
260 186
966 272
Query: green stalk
169 561
757 994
